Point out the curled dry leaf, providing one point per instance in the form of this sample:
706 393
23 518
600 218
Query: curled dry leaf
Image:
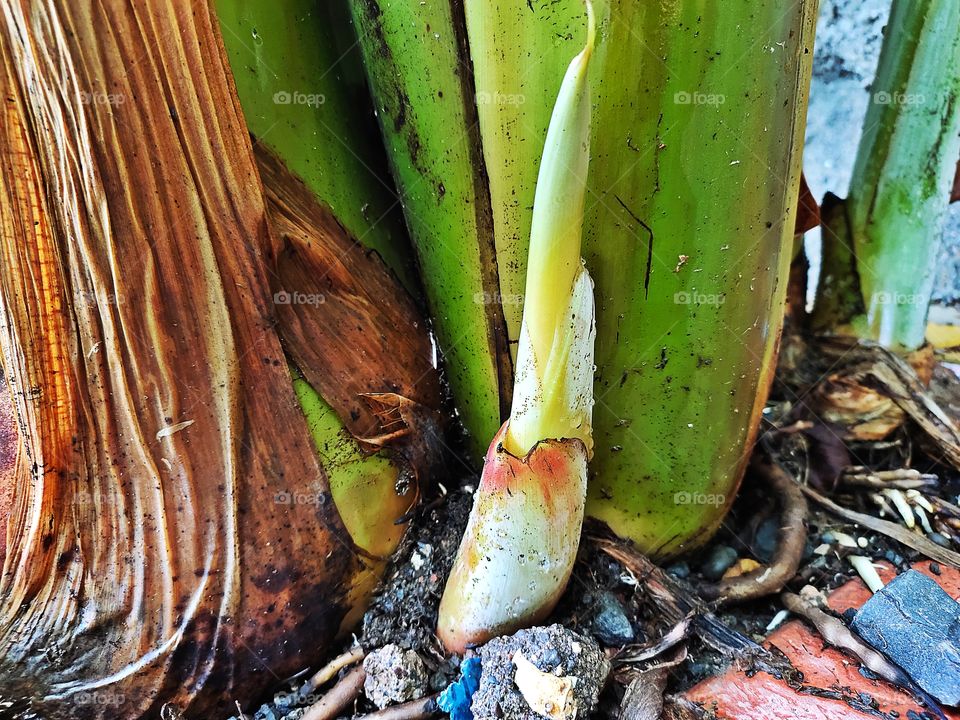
872 390
341 316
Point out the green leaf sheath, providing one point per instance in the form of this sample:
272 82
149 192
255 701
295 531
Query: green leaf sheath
300 82
905 165
519 53
415 55
695 151
358 481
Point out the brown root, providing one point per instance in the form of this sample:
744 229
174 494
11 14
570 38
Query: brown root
789 553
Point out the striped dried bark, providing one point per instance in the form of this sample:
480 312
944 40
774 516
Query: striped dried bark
148 560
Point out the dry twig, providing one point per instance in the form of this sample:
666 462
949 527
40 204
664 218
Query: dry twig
892 530
339 697
330 670
413 710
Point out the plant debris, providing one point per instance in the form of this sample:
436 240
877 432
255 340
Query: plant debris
456 699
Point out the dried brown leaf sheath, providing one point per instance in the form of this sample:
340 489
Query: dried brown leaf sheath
8 460
135 293
342 318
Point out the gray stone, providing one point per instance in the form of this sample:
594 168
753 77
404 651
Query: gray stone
720 559
611 625
679 570
394 676
917 625
552 649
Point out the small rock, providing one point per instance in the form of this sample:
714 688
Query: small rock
765 539
571 656
893 557
394 675
720 558
679 570
611 625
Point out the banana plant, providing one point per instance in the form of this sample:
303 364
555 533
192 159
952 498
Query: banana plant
690 209
301 86
695 189
881 244
183 513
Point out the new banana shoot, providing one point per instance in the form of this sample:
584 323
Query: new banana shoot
521 540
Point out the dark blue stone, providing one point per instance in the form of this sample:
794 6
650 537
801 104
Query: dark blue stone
917 625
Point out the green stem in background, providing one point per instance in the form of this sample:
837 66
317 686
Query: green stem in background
695 165
416 61
518 51
903 173
303 94
521 541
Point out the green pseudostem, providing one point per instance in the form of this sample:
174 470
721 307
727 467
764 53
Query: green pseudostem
900 188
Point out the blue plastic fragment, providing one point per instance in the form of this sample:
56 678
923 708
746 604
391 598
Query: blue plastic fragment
455 700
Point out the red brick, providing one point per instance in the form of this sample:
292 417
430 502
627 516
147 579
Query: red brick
735 696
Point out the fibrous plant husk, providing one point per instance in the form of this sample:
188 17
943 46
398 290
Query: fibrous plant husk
148 559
